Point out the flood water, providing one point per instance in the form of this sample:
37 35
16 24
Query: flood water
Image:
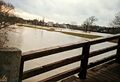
27 39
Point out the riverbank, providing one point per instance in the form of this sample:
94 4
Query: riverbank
82 35
61 30
38 27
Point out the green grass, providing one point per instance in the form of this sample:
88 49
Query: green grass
82 35
86 36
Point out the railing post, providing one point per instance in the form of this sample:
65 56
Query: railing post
21 70
10 59
118 52
84 61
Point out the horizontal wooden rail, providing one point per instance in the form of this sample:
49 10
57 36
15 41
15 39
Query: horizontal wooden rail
51 66
48 51
60 63
104 39
61 75
92 64
101 51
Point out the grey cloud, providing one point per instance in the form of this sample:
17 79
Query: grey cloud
71 10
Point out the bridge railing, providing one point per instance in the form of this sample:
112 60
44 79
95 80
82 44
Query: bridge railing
82 69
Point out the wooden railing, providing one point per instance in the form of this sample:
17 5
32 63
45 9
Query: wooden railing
82 69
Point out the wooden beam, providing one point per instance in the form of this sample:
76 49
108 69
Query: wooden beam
50 51
118 52
84 61
61 75
51 66
92 64
101 51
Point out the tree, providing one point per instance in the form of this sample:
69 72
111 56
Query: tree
88 22
35 22
6 18
6 14
116 21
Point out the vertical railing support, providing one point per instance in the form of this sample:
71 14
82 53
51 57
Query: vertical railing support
118 52
10 59
21 70
84 61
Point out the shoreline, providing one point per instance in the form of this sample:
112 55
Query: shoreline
90 35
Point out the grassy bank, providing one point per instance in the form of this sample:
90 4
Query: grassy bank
69 33
82 35
38 27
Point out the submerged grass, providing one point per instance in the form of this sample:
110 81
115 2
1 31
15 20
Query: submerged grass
38 27
82 35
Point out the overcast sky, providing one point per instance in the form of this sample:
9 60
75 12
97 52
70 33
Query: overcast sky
67 11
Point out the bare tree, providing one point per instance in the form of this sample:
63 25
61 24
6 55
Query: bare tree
116 21
6 14
89 22
6 18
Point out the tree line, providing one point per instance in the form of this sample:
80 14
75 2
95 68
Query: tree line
87 26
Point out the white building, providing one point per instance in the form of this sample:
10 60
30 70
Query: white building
50 24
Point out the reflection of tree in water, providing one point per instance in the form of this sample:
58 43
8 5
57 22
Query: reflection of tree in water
10 37
3 37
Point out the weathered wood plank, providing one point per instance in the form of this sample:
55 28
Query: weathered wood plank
101 51
21 70
84 61
104 39
118 52
61 75
101 61
52 50
51 66
54 65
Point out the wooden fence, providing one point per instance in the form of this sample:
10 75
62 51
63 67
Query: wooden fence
82 69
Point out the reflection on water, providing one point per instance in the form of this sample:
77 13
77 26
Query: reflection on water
11 38
3 37
28 39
